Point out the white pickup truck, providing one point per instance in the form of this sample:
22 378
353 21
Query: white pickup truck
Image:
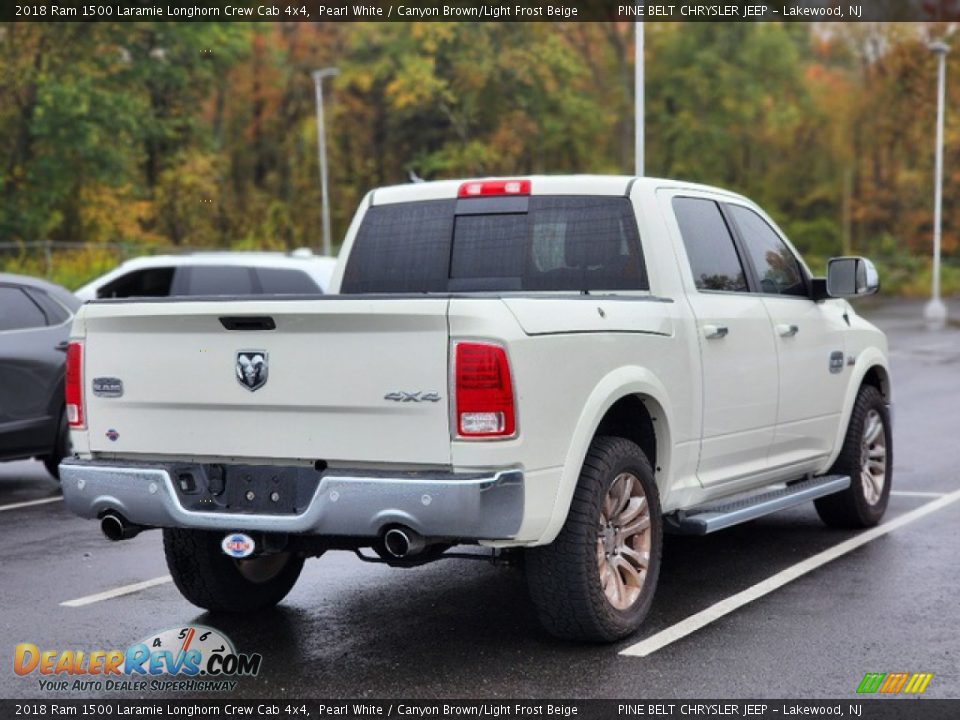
570 366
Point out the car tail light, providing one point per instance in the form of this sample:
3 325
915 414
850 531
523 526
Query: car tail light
74 385
484 391
489 188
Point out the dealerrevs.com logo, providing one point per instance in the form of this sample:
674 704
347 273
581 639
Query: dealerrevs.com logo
193 658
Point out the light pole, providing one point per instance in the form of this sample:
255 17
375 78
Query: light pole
318 76
935 312
638 112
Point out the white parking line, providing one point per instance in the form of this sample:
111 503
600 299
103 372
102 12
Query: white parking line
916 493
29 503
117 592
734 602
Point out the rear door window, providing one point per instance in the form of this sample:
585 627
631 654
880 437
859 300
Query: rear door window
713 256
558 243
18 311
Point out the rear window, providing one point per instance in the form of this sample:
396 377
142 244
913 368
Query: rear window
214 280
279 281
498 244
402 248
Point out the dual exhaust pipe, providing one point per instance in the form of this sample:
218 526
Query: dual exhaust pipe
400 542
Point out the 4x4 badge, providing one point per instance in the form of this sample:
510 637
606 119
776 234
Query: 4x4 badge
251 369
419 396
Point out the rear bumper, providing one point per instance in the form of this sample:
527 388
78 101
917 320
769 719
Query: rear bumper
481 506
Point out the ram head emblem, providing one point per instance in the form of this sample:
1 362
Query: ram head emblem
251 369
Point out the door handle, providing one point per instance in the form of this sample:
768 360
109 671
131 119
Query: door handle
62 346
787 330
715 332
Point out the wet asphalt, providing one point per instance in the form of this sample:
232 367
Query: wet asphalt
458 629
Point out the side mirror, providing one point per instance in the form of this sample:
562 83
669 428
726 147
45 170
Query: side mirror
851 277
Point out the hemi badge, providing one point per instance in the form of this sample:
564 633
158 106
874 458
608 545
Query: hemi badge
108 387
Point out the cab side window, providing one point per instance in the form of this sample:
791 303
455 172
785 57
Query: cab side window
778 270
710 248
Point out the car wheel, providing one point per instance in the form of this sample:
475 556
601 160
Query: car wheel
61 449
210 579
597 579
867 457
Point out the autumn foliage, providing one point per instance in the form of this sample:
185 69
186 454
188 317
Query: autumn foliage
204 135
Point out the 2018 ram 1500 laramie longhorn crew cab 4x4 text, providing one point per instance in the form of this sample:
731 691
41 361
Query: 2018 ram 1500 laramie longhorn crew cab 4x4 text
567 365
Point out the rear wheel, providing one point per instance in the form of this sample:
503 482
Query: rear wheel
596 581
867 457
61 449
210 579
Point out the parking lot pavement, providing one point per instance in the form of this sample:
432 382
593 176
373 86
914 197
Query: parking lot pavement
464 629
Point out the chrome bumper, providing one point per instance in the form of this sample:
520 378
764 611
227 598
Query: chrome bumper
487 506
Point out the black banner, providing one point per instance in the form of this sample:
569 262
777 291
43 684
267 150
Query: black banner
855 708
473 10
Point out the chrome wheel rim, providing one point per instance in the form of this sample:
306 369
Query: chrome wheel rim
873 458
262 569
623 541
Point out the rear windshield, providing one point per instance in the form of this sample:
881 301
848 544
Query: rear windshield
497 244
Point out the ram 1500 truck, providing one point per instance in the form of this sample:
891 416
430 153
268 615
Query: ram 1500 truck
558 368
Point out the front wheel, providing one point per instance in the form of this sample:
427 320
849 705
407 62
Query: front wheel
596 581
210 579
867 457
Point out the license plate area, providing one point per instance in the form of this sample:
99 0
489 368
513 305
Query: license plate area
245 489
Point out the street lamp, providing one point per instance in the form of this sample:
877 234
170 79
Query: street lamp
318 76
638 98
935 312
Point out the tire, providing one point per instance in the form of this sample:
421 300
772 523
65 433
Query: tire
61 449
867 449
579 583
213 581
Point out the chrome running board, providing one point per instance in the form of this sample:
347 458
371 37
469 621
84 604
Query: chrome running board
710 518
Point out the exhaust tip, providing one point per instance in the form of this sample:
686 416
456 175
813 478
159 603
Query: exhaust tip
396 542
115 528
403 542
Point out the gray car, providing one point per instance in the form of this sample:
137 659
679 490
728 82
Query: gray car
35 318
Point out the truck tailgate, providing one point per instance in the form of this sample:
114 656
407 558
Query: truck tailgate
341 381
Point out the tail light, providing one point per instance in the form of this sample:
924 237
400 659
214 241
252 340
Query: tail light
490 188
74 385
484 405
